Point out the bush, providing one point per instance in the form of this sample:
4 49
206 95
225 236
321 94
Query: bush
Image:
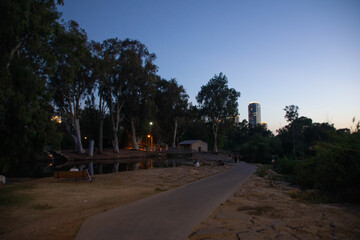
305 176
257 150
262 170
335 169
287 165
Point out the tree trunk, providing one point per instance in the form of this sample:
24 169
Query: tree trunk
115 123
133 137
215 143
68 129
79 147
215 131
101 135
115 142
76 145
293 137
174 137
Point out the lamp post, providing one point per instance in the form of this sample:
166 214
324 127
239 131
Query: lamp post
149 136
149 142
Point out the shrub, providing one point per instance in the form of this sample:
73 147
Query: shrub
257 150
305 176
262 170
335 169
287 165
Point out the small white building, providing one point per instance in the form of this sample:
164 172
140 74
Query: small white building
194 146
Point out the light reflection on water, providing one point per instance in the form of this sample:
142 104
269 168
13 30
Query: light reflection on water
141 164
146 164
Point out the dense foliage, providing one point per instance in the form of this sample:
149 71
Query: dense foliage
335 169
218 103
27 28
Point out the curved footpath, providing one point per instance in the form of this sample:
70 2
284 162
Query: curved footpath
168 215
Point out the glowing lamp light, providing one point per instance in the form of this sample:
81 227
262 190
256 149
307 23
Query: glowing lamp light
56 119
149 136
151 123
85 138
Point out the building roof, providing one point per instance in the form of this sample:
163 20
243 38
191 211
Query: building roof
189 142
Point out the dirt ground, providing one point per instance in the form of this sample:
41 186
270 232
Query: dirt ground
262 211
46 209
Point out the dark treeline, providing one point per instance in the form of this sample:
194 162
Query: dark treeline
110 92
105 91
311 155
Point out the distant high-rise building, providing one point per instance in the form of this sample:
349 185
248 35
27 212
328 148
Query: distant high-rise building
254 113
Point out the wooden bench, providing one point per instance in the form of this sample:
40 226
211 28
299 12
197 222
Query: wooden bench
67 174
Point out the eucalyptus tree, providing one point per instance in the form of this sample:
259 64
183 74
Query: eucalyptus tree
194 126
218 102
73 77
291 114
172 102
25 110
138 73
109 86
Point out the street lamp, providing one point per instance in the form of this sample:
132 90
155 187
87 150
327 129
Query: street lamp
150 142
149 136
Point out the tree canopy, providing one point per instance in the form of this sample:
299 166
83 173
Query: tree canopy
291 114
172 101
73 76
26 31
138 71
218 102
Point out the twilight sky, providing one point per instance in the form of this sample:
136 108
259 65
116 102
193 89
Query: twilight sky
278 53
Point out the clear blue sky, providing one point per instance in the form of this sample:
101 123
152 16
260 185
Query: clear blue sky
278 53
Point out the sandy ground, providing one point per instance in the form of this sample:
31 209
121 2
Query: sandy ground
262 211
52 210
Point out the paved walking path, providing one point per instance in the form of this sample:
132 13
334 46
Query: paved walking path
169 215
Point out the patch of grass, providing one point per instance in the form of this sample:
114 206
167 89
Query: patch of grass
12 188
262 170
256 210
311 196
205 164
279 178
270 178
42 206
12 195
